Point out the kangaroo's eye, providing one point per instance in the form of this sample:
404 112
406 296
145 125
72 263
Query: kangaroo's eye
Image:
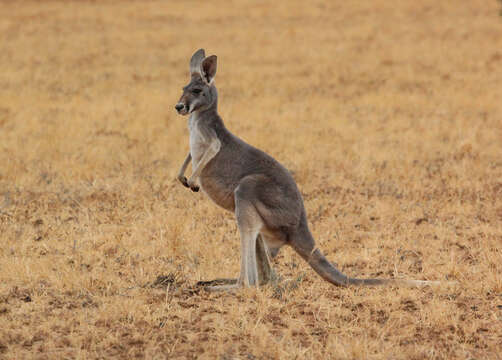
196 91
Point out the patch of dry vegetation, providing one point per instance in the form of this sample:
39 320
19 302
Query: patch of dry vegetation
387 113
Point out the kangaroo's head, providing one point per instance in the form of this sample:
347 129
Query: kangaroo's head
200 93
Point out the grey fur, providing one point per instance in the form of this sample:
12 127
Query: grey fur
243 179
196 61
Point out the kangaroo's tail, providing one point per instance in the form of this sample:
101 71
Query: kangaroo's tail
305 246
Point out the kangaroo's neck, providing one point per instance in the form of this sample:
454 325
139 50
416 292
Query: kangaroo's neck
208 118
208 113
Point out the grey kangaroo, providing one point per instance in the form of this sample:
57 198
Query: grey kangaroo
240 178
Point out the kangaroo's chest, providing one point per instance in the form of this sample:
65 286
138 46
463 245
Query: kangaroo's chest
214 179
198 142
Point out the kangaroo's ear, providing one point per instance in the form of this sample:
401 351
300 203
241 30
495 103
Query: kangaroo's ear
208 68
196 61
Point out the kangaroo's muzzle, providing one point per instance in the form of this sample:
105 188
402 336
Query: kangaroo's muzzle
181 108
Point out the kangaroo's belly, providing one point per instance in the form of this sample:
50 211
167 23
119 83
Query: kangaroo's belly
218 190
219 180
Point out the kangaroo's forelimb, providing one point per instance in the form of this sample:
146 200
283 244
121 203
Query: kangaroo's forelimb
181 173
213 149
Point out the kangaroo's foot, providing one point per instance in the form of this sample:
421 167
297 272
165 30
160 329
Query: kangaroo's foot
220 284
216 282
232 284
227 287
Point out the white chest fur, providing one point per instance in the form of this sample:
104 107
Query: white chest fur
198 142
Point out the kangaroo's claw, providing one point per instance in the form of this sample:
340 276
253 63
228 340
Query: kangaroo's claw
192 184
183 180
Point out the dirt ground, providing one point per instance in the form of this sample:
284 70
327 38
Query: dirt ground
388 114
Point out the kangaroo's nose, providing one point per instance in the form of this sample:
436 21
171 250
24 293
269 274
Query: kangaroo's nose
179 106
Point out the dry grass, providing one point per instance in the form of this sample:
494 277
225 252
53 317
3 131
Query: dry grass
388 114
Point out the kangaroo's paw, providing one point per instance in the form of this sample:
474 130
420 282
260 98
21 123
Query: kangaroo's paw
183 180
192 185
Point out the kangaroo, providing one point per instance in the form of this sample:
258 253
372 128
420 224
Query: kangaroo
250 183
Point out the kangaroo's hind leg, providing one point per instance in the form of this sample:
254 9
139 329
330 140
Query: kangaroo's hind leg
265 271
250 224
